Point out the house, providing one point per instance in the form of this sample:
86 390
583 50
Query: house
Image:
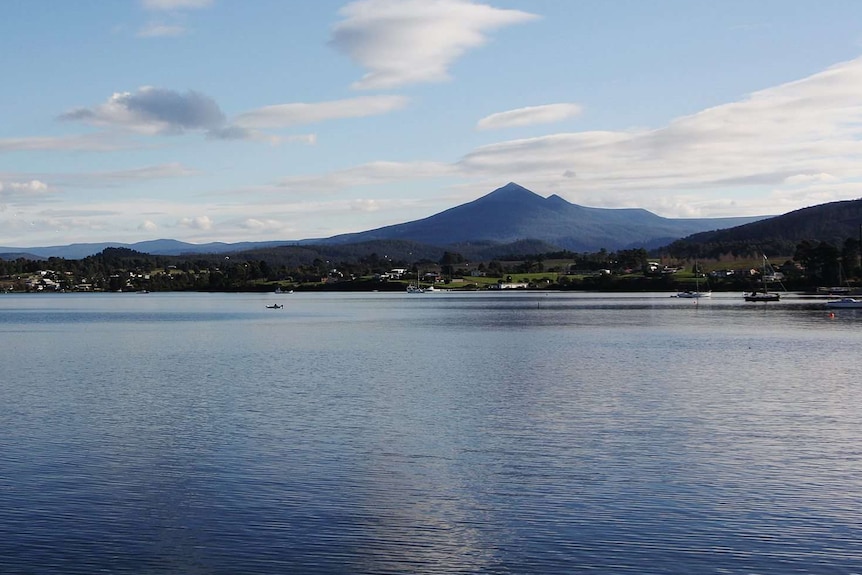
509 285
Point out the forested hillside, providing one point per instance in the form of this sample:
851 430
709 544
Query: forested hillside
833 223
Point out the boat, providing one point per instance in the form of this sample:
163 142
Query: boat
763 294
696 293
692 294
845 303
834 290
274 306
417 288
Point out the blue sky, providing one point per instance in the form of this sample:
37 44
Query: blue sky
251 120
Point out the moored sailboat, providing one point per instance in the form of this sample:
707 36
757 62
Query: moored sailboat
764 294
696 293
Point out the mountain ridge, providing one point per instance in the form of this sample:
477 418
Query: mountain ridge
512 212
506 215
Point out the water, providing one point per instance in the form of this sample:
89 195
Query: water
441 433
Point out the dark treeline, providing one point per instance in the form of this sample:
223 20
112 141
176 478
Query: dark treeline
812 264
819 263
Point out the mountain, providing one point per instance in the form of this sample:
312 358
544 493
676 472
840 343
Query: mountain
505 216
513 213
832 223
162 247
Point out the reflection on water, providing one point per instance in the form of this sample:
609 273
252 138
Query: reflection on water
445 433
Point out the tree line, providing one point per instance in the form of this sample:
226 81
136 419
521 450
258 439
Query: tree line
815 263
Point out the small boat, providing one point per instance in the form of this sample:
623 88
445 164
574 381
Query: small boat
692 294
689 294
764 294
417 287
845 302
274 306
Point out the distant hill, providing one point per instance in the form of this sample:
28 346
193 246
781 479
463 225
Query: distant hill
488 226
832 223
514 213
10 256
403 251
154 247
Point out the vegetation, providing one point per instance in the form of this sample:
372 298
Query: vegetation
808 265
812 247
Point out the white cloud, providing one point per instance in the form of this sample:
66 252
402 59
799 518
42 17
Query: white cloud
175 4
148 226
309 139
404 42
261 225
10 190
529 116
772 151
158 30
288 115
810 178
364 205
780 138
196 223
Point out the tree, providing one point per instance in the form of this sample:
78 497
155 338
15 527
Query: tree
449 260
850 257
820 262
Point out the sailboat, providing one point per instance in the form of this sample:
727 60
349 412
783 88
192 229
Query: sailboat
696 293
763 295
415 288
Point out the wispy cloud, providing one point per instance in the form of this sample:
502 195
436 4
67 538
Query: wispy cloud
521 117
261 224
288 115
375 173
782 137
789 143
15 190
175 4
162 112
86 143
40 183
142 174
156 30
172 11
403 42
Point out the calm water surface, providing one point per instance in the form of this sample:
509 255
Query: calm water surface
522 433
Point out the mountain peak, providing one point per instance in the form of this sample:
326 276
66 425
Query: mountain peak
513 192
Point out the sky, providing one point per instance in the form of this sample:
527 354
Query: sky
261 120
